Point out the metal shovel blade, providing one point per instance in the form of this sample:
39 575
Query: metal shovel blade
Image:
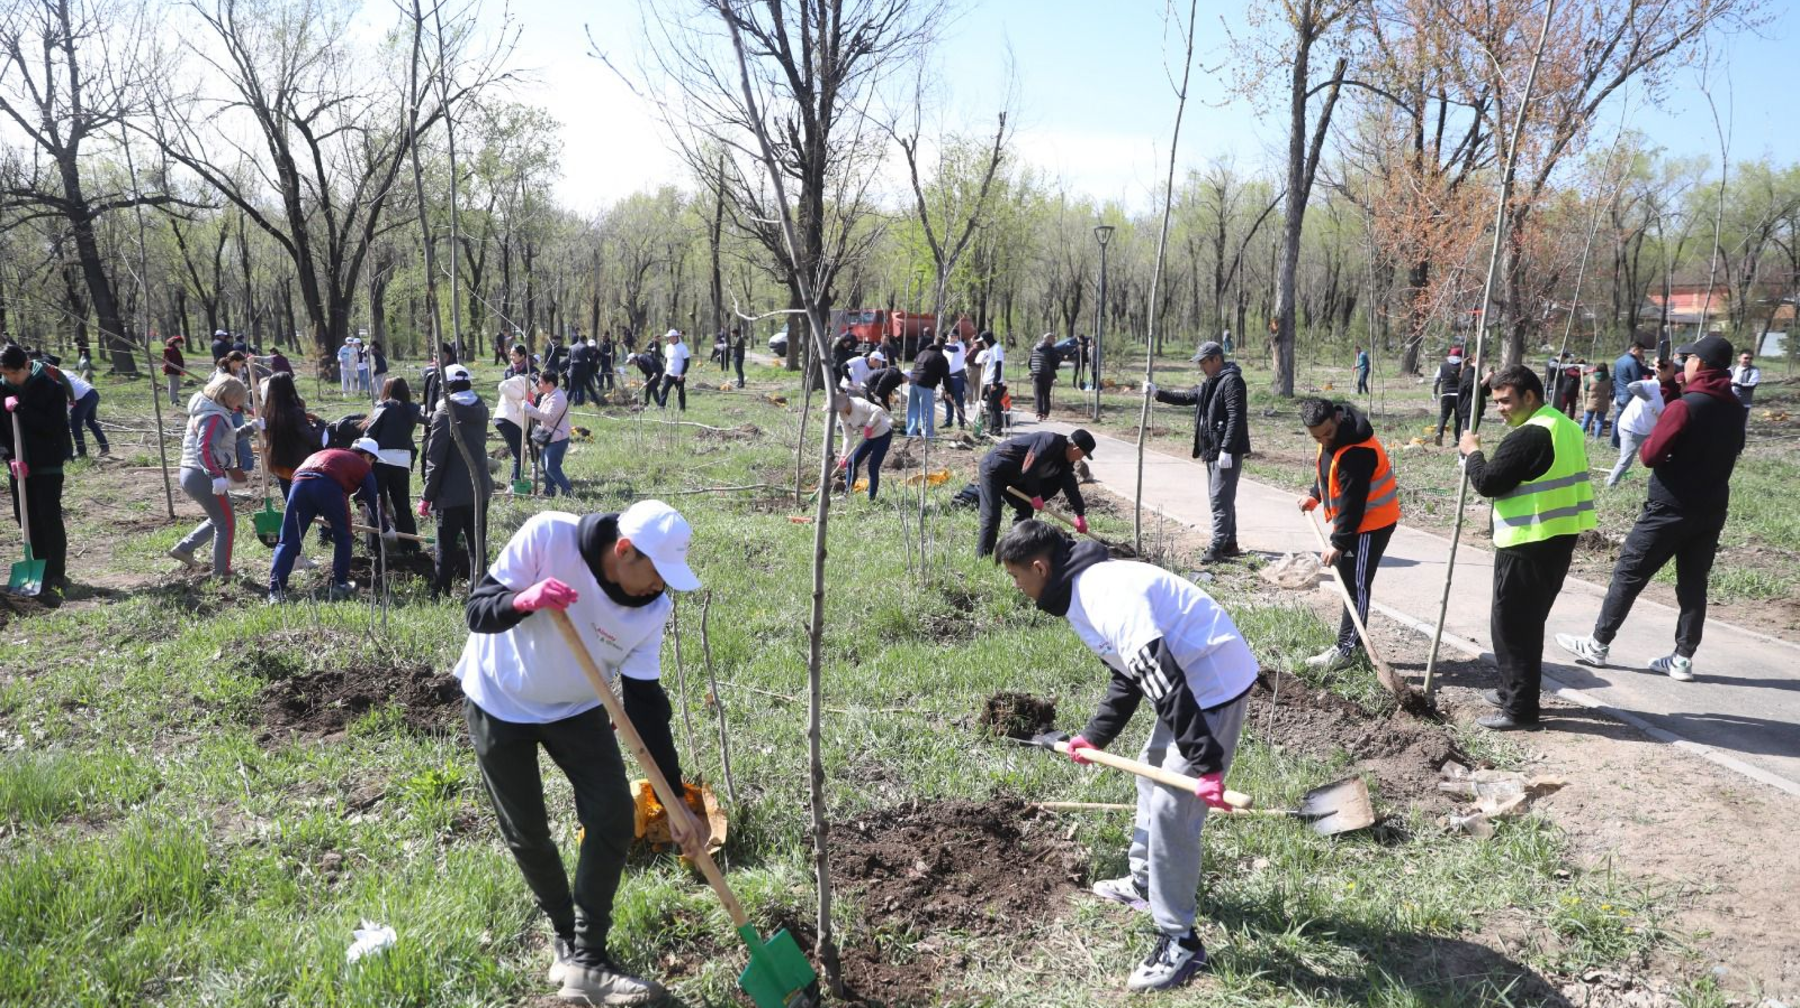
27 576
1337 808
778 975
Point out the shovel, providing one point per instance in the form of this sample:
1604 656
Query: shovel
778 975
1070 522
28 574
267 522
1382 671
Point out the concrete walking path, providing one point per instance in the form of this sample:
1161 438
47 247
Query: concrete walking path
1741 711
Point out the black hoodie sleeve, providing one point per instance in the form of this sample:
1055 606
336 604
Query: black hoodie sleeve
1115 710
1355 467
490 607
1526 454
1177 708
1174 398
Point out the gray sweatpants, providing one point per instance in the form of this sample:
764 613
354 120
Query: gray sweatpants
220 525
1628 449
174 389
1221 491
1165 840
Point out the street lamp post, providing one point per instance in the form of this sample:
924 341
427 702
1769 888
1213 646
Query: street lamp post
1102 234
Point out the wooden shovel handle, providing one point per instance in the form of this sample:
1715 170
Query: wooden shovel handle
376 531
1167 778
672 801
1059 516
19 454
1382 672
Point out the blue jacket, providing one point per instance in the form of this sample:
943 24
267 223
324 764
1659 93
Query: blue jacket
1626 370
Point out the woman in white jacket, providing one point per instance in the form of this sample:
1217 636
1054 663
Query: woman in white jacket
1639 417
509 419
552 410
877 428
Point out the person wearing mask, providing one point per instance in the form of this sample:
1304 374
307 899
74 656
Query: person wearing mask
1691 454
1354 481
39 405
739 344
1744 379
83 412
1634 425
1597 399
523 689
378 371
1538 481
174 365
346 358
1161 637
877 429
510 419
459 503
1221 440
882 381
322 488
1042 365
1038 465
208 455
1447 389
551 411
930 369
675 367
1629 368
391 427
956 386
1362 371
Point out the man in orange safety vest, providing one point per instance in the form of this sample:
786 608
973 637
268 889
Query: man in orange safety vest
1355 482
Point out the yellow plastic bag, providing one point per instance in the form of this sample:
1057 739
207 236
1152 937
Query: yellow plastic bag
650 821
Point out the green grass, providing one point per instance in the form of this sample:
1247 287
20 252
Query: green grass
159 850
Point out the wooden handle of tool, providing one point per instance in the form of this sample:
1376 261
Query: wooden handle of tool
403 535
19 454
671 799
1382 671
1058 515
1167 778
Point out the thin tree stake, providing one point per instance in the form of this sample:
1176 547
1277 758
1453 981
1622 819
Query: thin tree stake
718 702
687 717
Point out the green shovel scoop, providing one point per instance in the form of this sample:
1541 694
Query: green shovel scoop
28 574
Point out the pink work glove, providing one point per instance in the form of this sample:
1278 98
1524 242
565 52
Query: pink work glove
1211 790
424 509
868 432
1037 503
1081 524
843 462
19 469
546 594
1076 745
12 403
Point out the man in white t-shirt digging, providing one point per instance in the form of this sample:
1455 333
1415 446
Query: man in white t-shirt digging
1161 637
523 689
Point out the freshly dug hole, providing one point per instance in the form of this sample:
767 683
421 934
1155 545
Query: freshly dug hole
1402 752
1017 715
325 702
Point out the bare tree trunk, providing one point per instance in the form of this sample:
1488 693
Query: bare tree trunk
1303 164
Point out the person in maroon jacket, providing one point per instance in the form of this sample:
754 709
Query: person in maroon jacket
323 486
174 366
1690 454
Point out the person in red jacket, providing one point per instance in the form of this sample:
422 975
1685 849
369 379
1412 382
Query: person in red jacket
174 366
323 486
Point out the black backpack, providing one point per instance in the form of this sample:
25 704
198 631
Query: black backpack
343 432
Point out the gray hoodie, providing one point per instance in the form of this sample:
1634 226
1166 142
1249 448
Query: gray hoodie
210 444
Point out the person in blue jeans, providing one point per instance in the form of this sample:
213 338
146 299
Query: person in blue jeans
877 427
82 414
957 385
552 411
930 369
322 488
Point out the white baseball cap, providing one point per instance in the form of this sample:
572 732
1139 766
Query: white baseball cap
366 444
220 332
672 334
659 532
456 372
876 356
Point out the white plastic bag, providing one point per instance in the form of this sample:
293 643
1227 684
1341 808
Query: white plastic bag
371 939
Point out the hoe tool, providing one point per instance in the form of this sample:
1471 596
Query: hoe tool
1329 810
1120 548
778 975
28 574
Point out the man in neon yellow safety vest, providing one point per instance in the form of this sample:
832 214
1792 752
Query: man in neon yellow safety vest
1538 481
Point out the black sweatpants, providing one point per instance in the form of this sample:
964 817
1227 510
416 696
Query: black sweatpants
456 541
1527 580
1663 533
679 384
393 485
1449 415
49 540
1356 571
993 498
737 362
1041 385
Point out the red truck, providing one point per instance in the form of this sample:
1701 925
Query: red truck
869 325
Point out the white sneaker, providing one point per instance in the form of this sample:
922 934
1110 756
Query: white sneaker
1124 890
1587 650
1678 668
1328 660
1171 963
187 559
606 984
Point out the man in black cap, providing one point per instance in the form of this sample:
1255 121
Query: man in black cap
1221 439
1037 465
1690 454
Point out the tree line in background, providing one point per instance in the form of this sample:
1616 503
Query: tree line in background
248 167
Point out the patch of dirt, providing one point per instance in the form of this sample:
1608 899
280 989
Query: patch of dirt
1017 715
401 563
325 702
1404 753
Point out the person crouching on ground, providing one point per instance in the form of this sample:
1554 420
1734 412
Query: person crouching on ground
1162 637
523 689
1354 481
323 486
856 413
208 455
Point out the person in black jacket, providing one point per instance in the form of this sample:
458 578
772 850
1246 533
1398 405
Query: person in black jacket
433 389
650 365
1691 454
1042 365
36 402
581 369
882 381
459 502
739 342
1447 387
1221 439
930 369
391 425
1355 482
604 362
1037 465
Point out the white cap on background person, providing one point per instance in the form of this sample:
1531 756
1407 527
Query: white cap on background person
659 532
366 444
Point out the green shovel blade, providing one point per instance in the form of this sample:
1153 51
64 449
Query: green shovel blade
268 524
28 577
778 970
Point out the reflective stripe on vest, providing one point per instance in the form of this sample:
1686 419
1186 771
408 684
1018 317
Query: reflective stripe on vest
1382 506
1561 501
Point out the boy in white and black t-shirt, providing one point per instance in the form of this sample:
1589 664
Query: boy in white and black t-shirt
523 688
1164 638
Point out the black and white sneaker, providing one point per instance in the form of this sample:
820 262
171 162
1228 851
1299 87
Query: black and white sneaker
602 982
1126 890
562 956
1173 962
1587 650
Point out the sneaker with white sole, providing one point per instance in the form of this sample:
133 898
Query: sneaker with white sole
1675 667
187 559
305 563
604 983
562 956
1328 660
1587 650
1124 890
1173 962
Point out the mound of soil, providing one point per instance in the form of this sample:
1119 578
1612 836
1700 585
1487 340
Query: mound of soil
1402 752
326 701
1017 715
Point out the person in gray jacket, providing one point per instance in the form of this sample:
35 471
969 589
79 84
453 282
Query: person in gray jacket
459 502
208 456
